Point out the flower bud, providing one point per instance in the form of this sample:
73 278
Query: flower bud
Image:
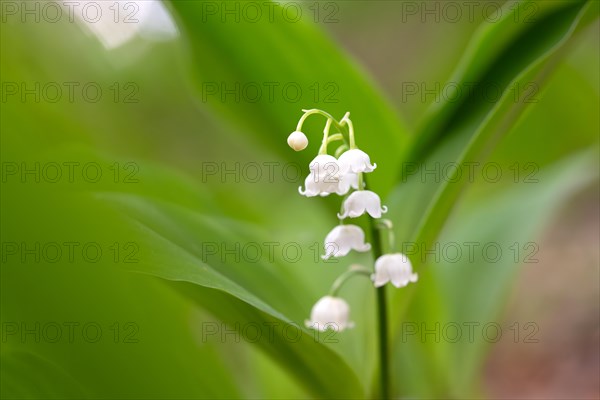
297 140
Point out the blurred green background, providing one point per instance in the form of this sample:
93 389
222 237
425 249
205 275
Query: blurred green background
132 273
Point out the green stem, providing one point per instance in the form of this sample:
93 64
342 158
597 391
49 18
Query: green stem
339 125
323 148
346 121
384 352
308 113
339 282
340 150
336 136
385 381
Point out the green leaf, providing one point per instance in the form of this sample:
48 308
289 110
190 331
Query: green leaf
242 292
167 216
464 134
25 375
169 241
525 33
473 290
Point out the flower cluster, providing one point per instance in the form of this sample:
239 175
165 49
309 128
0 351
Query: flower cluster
342 174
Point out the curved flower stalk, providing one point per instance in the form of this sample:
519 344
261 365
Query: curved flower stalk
341 173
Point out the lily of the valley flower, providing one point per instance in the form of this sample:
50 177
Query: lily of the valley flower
297 140
330 313
347 181
395 268
325 164
355 161
324 177
360 202
314 187
344 238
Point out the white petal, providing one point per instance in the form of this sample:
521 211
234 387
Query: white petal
357 238
360 201
336 243
344 238
325 164
380 278
311 187
355 161
330 313
373 205
354 206
316 185
395 268
347 181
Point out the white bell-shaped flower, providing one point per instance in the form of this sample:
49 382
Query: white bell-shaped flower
395 268
324 177
344 238
360 202
355 161
330 313
297 140
324 164
315 187
347 181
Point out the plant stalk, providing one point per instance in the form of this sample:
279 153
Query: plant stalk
382 315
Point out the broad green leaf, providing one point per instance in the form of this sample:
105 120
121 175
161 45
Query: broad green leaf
295 348
25 376
240 285
469 131
131 316
101 327
169 218
474 127
471 292
498 52
168 241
